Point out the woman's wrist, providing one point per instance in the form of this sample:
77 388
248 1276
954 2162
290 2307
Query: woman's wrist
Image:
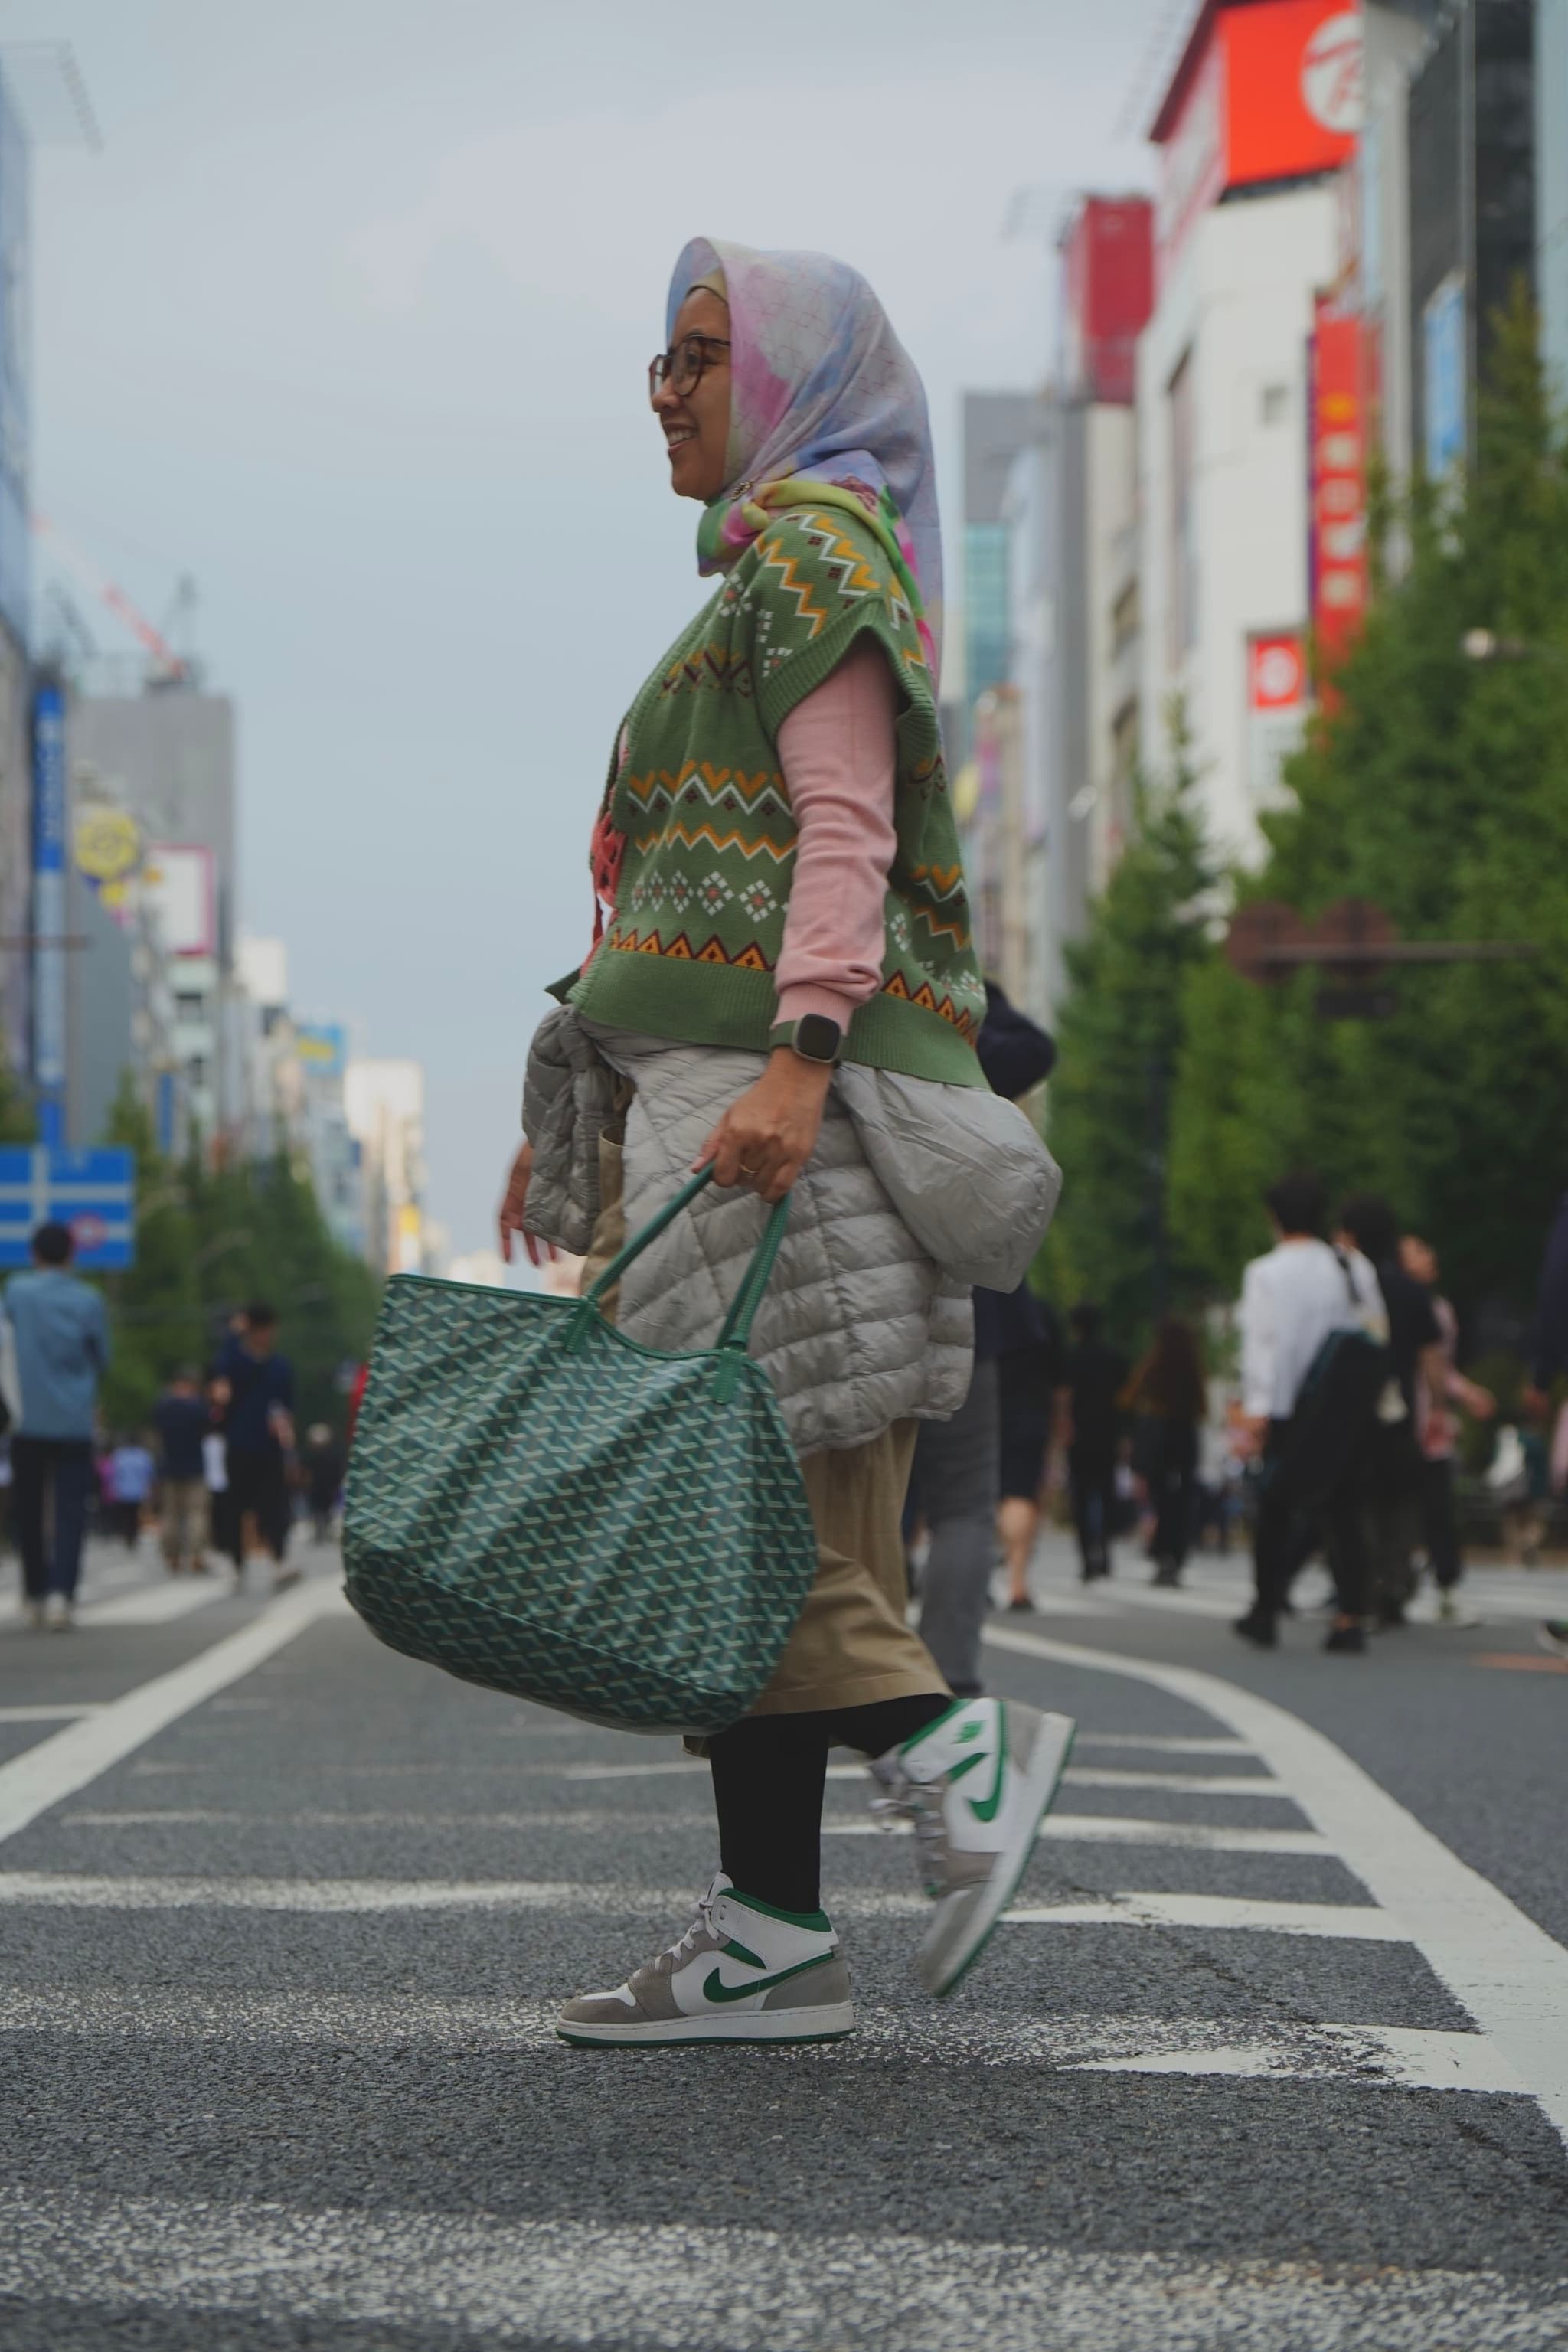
809 1079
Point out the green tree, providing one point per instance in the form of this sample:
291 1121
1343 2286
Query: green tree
210 1240
1439 788
1119 1032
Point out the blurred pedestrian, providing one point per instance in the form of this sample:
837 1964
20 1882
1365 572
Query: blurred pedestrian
1310 1402
132 1474
1094 1375
258 1435
323 1468
215 1472
1169 1392
182 1420
824 969
1394 1476
1436 1433
964 1467
1550 1352
59 1334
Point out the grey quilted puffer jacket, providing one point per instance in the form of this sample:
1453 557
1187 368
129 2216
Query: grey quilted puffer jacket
915 1192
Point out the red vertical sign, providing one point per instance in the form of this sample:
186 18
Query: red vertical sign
1337 529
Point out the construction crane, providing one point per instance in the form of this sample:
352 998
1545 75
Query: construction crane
166 667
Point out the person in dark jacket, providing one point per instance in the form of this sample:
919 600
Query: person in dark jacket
182 1420
1551 1353
957 1481
259 1430
1095 1376
1167 1389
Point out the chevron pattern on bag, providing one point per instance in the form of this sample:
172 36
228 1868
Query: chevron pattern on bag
589 1528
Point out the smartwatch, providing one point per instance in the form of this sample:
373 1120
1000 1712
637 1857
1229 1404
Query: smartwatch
814 1037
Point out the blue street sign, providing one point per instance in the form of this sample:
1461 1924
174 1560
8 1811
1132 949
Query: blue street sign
93 1193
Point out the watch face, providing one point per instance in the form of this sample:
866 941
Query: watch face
817 1037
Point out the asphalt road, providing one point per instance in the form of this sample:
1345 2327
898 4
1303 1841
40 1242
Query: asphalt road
1272 2052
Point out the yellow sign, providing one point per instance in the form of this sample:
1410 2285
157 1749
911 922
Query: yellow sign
108 845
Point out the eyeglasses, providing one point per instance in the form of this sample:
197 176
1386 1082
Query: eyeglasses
682 365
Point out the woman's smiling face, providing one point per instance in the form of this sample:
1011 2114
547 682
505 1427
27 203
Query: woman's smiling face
696 423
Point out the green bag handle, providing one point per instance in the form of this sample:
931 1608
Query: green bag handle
735 1336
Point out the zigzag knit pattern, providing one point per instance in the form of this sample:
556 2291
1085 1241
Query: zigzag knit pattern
710 835
592 1528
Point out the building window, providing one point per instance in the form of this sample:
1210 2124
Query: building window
1182 555
190 1004
197 1070
1275 403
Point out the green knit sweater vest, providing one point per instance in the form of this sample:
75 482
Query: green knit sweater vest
692 947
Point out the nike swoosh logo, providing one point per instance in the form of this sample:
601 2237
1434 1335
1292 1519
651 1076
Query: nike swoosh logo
717 1990
986 1809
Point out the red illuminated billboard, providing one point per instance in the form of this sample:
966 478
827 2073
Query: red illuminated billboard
1266 90
1337 521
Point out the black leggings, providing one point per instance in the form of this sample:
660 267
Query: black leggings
769 1772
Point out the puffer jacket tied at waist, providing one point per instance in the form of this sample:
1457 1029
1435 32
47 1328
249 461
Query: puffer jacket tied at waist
916 1190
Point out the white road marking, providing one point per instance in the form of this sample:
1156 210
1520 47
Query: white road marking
1362 1923
156 1605
1401 2056
1114 1829
527 2281
78 1891
1191 1784
58 1766
1160 1746
67 1712
1505 1971
1368 2056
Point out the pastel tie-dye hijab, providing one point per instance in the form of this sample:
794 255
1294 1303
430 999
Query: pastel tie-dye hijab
825 406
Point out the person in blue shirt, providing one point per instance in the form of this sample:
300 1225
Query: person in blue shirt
259 1430
132 1470
60 1332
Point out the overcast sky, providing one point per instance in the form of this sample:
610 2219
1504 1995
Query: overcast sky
348 319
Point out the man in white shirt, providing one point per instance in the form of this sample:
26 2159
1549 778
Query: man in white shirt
1292 1302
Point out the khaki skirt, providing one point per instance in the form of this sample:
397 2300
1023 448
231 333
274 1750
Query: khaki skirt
852 1645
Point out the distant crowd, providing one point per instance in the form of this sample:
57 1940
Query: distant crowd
218 1470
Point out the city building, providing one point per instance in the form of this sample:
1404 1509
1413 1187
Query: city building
385 1101
1472 201
16 894
165 759
320 1051
1375 264
1238 372
1551 185
120 1006
1065 760
988 777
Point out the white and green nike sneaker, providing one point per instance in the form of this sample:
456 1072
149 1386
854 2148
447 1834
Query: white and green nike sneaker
977 1784
742 1972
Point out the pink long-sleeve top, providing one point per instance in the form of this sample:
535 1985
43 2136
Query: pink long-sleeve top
839 759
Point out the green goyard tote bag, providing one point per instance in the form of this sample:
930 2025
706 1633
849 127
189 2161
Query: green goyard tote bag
538 1504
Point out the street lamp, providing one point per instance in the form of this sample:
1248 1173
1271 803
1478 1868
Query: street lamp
1487 646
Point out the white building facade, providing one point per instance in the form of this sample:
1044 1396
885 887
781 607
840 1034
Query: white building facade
1221 434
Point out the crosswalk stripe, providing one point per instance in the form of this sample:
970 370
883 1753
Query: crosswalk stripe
156 1605
578 2280
1506 1972
1112 1829
1374 2057
1190 1784
1360 1922
68 1712
1159 1745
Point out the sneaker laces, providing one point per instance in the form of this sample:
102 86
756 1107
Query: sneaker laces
702 1923
911 1800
